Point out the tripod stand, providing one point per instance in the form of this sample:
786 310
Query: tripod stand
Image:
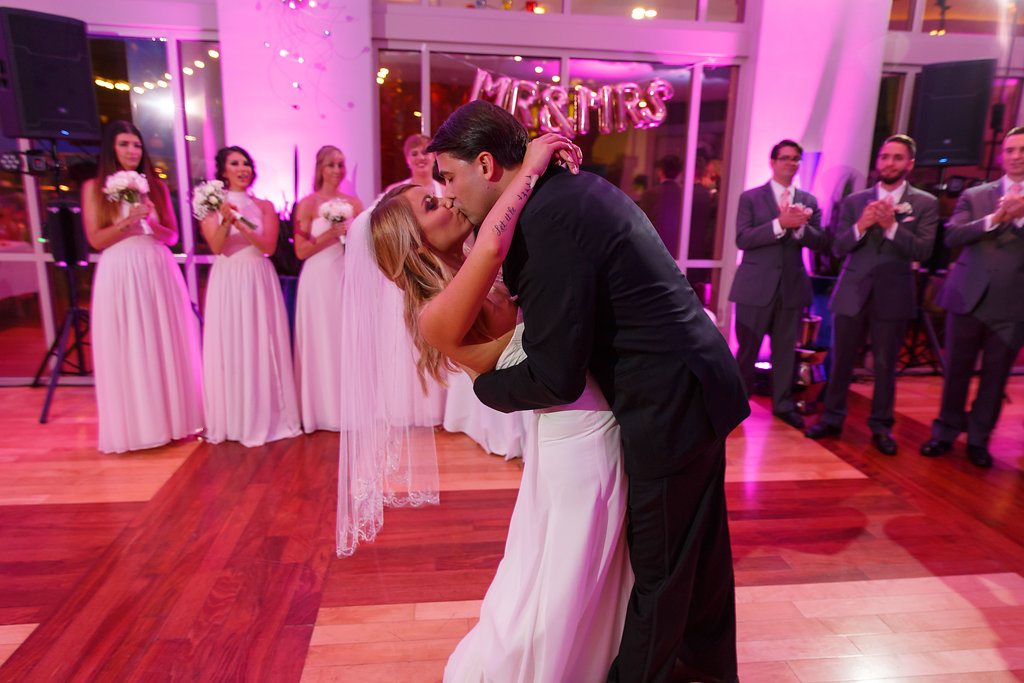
917 346
75 327
67 245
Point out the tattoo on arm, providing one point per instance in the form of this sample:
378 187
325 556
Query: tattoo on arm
510 211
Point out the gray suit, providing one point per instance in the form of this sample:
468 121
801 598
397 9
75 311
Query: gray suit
984 299
875 293
772 287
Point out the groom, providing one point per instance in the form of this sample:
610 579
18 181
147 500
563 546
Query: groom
599 292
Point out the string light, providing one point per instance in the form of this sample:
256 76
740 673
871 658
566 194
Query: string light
200 64
213 54
187 71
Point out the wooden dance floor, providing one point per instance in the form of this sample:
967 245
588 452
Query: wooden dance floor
215 563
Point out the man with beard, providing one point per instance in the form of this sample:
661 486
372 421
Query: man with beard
882 231
984 305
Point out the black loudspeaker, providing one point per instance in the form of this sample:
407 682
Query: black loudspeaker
46 81
950 112
63 230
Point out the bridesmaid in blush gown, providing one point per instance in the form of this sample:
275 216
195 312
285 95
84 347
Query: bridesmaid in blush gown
556 607
318 305
247 367
145 338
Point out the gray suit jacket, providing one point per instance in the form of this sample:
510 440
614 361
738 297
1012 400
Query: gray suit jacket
771 264
879 268
991 263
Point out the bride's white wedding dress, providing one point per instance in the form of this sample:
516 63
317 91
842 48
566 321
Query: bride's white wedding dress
555 609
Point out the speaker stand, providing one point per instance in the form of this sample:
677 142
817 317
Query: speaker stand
75 327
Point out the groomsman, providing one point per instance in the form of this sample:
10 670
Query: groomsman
984 302
771 290
882 231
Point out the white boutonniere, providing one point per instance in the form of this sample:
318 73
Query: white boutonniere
806 209
903 208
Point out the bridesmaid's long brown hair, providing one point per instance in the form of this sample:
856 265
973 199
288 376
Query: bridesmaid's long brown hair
107 165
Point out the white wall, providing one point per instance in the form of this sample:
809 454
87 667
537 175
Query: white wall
334 103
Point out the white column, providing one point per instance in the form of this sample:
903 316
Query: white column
312 86
818 68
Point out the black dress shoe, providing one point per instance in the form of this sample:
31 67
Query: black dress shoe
884 443
934 447
821 430
792 418
979 456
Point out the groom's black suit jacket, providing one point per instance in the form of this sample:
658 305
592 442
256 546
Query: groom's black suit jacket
599 291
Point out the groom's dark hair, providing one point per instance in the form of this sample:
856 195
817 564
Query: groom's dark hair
480 126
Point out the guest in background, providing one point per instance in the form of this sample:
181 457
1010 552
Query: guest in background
703 212
882 231
318 304
663 203
774 223
420 163
145 338
639 187
249 386
984 300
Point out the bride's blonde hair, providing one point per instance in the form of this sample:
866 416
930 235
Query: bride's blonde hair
419 271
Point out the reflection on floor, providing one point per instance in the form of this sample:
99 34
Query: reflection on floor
216 562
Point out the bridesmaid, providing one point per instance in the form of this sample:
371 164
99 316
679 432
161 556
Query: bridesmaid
318 306
249 387
145 338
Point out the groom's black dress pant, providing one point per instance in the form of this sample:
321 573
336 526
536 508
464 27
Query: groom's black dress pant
681 620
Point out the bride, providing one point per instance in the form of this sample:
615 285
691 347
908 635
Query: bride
555 608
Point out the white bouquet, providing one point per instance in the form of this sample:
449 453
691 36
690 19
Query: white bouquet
336 210
128 189
208 196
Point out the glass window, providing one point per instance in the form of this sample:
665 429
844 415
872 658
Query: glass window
966 16
398 78
453 77
22 342
642 9
899 15
707 208
726 10
133 84
629 150
204 117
